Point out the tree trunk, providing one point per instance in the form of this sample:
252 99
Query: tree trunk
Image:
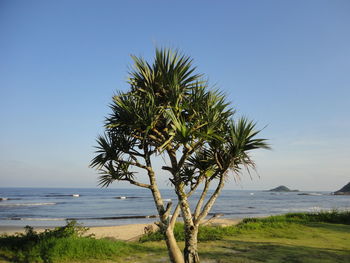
165 226
191 250
173 249
191 229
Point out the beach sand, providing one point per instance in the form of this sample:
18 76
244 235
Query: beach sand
130 232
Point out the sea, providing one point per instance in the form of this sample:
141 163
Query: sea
50 207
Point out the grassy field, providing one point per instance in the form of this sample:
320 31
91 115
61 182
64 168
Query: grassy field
317 237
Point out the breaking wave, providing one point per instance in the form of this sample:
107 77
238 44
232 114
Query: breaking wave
128 197
61 195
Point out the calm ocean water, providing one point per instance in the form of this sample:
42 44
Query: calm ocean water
104 207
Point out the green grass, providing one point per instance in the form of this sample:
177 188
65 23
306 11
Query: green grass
273 224
318 237
314 242
294 237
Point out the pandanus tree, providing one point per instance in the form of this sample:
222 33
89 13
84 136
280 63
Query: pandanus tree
170 111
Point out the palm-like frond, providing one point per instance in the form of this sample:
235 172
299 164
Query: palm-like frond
105 152
203 160
239 141
114 171
111 150
169 78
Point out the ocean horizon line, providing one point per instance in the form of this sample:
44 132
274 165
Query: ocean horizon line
134 188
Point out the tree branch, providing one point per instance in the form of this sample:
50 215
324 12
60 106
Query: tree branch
158 133
217 160
154 187
177 209
135 153
201 199
173 160
167 210
137 164
174 216
185 206
194 187
155 138
212 199
189 150
137 183
167 168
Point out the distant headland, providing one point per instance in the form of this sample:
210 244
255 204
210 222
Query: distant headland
344 191
282 188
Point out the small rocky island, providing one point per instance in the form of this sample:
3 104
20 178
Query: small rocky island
344 191
282 188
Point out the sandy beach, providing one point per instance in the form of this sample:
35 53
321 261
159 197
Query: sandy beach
122 232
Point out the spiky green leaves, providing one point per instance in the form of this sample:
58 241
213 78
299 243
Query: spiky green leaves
170 108
230 152
168 105
168 79
115 171
112 158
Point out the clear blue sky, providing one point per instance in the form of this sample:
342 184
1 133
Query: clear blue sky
285 64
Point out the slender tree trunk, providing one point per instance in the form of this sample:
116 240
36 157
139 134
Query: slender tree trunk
191 229
173 249
191 250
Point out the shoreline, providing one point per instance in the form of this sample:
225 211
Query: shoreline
128 232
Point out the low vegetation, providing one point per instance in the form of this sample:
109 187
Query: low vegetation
63 244
296 237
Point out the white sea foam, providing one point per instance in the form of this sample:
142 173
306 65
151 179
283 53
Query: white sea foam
316 194
62 195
